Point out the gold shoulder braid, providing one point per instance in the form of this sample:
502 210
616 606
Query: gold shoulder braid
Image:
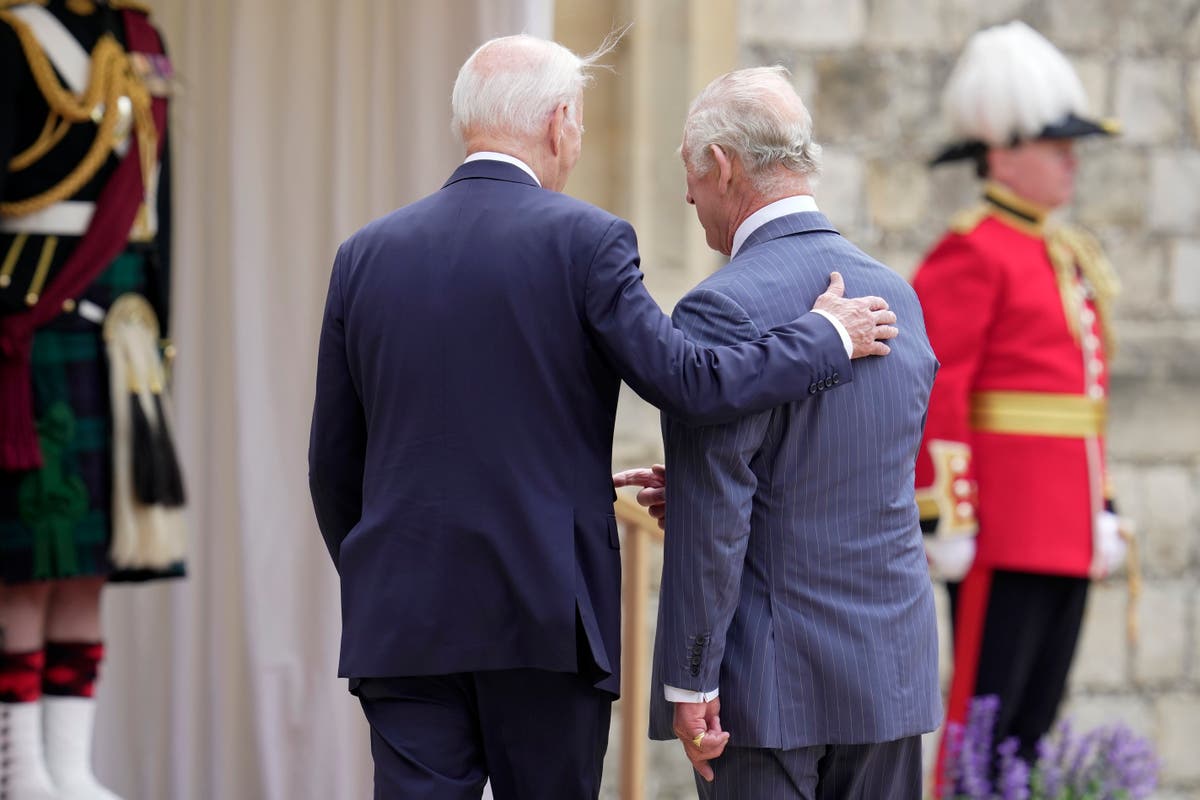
132 5
968 219
113 83
1074 251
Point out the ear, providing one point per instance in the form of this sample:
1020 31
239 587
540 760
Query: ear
554 131
724 166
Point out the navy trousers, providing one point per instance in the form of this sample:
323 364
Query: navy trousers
887 771
537 735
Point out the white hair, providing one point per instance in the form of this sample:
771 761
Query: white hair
511 85
757 115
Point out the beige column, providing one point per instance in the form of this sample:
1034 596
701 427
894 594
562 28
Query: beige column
713 40
634 120
631 166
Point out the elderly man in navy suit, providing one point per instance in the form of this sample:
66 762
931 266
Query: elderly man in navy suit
470 356
796 654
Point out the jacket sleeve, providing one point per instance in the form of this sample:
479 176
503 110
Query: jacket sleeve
959 290
710 493
338 438
700 385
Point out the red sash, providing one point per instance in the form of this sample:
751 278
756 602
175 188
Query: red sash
105 239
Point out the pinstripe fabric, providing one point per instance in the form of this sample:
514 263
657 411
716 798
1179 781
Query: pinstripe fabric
887 771
794 578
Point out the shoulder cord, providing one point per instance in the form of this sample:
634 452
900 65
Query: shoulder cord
111 78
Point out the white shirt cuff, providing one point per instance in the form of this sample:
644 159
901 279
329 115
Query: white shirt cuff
841 329
687 696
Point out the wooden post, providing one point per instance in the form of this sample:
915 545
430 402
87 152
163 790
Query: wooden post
634 677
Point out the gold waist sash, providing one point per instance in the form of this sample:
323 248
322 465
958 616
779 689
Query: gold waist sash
1038 414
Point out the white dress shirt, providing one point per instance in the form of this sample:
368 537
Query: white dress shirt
780 208
488 155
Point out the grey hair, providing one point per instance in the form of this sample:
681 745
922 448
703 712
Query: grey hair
757 115
515 95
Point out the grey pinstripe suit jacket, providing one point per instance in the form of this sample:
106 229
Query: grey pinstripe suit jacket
794 578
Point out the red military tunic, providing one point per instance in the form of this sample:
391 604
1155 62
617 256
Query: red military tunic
1014 439
1016 311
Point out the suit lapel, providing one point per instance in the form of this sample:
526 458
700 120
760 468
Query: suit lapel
791 225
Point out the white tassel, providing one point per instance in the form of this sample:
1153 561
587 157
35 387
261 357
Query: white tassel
124 548
144 536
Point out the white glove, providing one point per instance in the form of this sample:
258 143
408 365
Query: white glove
949 559
1108 545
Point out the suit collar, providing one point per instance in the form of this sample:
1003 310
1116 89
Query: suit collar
792 224
491 170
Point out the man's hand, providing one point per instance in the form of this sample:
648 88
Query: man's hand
654 492
866 319
698 726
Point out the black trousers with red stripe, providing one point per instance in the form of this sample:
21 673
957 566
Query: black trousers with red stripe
1031 627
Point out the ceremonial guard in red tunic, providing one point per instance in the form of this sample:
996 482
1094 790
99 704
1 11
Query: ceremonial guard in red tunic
1011 477
90 486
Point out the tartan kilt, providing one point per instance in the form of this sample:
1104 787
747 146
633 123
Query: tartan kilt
72 405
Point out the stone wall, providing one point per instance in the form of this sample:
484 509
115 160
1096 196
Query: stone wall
871 71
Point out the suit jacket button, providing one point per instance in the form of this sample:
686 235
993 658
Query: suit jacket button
836 379
821 385
812 388
695 671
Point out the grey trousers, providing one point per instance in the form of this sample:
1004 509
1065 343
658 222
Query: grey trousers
887 771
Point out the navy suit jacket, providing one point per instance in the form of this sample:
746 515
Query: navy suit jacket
461 445
794 577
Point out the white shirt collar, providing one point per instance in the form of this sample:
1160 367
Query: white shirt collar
780 208
488 155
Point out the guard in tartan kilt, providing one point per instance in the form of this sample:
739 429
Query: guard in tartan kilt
1011 479
90 487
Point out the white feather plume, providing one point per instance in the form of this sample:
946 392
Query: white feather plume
1010 82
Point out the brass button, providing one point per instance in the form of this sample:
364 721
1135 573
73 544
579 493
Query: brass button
68 306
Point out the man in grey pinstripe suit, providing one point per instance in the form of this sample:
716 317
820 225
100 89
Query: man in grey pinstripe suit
796 654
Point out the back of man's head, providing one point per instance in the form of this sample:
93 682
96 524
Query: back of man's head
510 86
756 115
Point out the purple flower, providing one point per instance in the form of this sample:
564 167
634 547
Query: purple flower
1077 771
1125 765
954 746
1049 772
976 761
1013 781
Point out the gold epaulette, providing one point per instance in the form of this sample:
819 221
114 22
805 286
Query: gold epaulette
1073 251
968 219
132 5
